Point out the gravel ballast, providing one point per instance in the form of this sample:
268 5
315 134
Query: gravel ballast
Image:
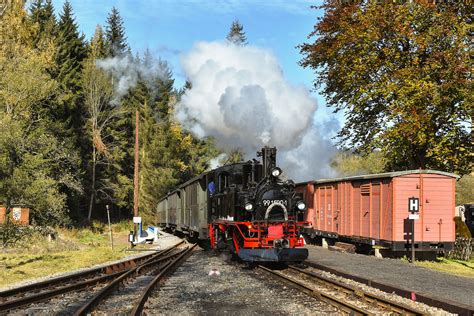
230 289
397 273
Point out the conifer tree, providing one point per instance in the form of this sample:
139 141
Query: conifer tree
70 54
115 35
42 12
236 34
97 44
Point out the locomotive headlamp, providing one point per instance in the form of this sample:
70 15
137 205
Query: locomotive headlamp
248 206
276 172
301 205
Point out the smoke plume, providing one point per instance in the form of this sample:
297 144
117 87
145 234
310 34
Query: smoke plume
240 96
127 71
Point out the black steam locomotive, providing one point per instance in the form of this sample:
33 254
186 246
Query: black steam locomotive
243 207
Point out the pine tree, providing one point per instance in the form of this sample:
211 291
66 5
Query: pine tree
236 34
42 12
163 86
115 35
97 45
70 54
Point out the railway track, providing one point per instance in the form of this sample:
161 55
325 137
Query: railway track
346 298
35 293
135 286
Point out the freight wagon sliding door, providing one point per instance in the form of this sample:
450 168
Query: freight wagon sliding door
375 211
326 208
438 208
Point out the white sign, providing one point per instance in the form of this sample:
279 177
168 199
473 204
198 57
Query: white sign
413 204
16 213
413 216
137 219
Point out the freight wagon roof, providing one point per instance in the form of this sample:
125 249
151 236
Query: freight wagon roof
383 175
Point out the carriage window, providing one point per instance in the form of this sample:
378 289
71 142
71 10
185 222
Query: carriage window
238 178
223 182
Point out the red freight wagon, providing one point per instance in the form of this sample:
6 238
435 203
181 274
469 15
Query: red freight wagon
372 209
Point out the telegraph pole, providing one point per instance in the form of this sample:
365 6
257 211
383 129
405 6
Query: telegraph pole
135 174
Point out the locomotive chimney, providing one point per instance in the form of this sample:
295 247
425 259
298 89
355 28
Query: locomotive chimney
268 155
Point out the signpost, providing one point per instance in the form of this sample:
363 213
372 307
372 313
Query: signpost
413 209
110 227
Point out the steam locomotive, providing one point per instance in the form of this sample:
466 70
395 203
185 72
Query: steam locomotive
245 208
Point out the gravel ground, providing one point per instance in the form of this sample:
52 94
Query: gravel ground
392 297
236 290
65 304
398 273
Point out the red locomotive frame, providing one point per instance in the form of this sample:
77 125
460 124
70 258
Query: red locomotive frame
266 233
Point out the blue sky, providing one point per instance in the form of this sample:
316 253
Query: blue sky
170 27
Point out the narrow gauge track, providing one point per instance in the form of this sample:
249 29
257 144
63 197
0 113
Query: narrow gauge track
347 298
140 280
48 289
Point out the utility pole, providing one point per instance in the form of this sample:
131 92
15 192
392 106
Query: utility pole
135 174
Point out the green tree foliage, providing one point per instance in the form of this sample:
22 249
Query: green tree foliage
68 107
465 190
349 164
67 137
35 166
115 35
98 49
98 91
70 54
42 13
401 72
236 34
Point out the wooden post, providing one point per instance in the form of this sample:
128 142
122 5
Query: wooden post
135 174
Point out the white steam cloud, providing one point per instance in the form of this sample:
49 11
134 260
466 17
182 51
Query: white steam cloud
240 96
127 71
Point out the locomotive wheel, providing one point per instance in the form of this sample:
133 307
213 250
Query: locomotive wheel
192 238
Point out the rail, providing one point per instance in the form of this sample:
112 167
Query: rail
158 262
321 287
140 303
44 290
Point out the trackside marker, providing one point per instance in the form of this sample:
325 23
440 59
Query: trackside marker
214 272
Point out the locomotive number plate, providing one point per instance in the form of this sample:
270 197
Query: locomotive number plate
270 202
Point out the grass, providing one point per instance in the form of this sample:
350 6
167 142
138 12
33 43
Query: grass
450 266
74 248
